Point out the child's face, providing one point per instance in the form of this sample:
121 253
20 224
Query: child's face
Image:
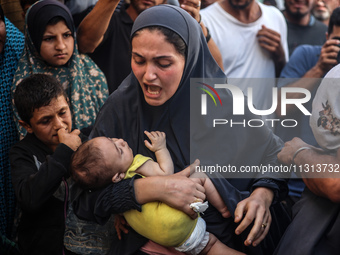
117 153
47 120
57 44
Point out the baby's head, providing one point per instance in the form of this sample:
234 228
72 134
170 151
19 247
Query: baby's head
100 161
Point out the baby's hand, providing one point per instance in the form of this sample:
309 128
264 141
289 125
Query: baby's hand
157 139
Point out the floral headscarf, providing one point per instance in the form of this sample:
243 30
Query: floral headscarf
84 83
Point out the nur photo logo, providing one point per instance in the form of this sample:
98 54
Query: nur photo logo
204 97
240 101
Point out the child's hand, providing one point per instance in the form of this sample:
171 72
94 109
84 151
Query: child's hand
72 139
157 139
120 224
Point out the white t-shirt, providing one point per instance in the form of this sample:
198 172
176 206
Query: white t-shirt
243 57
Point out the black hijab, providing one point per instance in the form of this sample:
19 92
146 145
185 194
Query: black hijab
127 115
41 13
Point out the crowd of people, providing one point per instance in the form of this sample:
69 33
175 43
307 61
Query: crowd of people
90 89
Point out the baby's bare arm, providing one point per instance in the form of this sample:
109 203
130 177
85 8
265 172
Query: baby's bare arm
158 146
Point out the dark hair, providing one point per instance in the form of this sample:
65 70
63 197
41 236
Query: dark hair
2 16
170 36
334 20
34 92
55 20
24 2
88 169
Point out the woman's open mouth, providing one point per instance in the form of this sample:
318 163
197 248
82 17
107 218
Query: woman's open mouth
153 90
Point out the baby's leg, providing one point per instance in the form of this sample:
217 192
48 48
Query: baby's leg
212 194
216 247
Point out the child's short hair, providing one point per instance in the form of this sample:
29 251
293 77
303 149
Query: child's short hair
88 168
34 92
24 2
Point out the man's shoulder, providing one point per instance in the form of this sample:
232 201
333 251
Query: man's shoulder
211 8
216 16
334 72
121 16
319 24
304 57
306 54
271 11
269 8
27 141
307 50
318 28
31 144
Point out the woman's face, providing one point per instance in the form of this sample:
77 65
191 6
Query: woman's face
57 44
2 35
157 66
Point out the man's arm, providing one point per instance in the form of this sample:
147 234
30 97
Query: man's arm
193 8
271 41
91 30
324 179
215 52
309 80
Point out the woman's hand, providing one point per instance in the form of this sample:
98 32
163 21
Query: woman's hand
177 190
180 191
120 225
255 209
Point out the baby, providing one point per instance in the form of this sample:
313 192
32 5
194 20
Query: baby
103 160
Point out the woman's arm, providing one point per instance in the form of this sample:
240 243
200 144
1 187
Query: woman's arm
255 209
268 188
193 8
176 190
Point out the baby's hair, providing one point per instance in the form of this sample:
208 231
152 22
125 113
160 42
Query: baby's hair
88 169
